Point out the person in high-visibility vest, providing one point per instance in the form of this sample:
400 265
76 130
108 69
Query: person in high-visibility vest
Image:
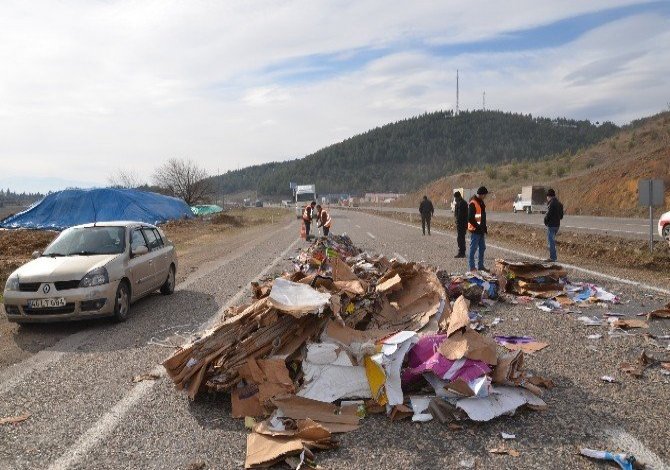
477 228
307 215
324 220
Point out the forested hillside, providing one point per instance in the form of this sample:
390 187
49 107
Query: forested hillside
405 155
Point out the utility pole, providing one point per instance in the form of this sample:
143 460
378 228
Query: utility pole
456 92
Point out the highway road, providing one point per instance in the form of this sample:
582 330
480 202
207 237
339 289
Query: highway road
615 226
87 413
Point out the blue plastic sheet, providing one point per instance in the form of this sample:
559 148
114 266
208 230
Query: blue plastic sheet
70 207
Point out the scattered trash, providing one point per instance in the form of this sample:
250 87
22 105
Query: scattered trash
526 344
504 435
608 379
590 321
625 461
14 419
637 368
359 330
661 313
627 323
142 377
505 451
540 280
594 336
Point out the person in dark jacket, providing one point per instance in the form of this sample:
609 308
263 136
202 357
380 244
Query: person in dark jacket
477 228
552 220
426 210
461 216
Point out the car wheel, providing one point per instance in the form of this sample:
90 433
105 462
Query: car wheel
514 210
168 287
529 210
666 233
122 302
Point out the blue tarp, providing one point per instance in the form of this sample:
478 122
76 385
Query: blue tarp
71 207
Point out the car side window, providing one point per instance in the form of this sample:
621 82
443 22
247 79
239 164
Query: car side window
159 238
137 240
151 239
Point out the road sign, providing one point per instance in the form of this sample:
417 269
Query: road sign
652 194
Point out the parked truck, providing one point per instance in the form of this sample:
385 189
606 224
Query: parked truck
303 195
465 192
531 199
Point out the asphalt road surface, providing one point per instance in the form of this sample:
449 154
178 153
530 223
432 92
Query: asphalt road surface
615 226
86 412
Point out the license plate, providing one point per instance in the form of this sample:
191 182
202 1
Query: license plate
47 303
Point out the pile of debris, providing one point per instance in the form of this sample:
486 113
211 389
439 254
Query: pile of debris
345 335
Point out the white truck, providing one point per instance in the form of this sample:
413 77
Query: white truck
531 199
465 192
303 195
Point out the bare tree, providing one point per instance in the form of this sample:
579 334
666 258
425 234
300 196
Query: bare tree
185 179
124 179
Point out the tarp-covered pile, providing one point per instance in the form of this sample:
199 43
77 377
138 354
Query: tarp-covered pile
345 335
206 209
70 207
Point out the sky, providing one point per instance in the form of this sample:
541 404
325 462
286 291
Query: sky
88 88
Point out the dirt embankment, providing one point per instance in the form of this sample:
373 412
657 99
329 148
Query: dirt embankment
600 180
573 247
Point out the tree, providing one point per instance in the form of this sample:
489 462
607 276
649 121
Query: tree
124 179
184 179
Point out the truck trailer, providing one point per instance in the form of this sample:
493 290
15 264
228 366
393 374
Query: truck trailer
467 193
531 199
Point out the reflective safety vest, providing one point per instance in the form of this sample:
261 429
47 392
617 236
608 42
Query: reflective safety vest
326 221
307 212
478 214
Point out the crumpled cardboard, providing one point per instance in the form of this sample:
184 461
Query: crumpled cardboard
331 375
334 418
660 313
502 400
471 345
265 379
628 323
637 368
459 317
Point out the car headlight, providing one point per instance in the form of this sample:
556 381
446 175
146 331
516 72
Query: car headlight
96 277
12 283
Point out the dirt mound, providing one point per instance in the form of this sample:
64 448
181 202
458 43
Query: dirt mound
17 246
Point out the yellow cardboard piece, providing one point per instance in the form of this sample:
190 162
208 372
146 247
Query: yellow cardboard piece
377 380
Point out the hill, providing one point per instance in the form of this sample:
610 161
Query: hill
405 155
600 180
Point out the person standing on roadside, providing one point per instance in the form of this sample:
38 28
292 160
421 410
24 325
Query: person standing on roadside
461 217
426 210
477 228
552 219
323 219
307 215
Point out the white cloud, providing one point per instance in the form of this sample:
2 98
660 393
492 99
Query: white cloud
88 87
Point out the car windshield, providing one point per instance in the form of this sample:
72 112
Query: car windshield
88 241
305 197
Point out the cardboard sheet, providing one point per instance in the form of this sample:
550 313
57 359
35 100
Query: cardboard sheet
264 451
501 401
330 375
323 413
459 317
471 345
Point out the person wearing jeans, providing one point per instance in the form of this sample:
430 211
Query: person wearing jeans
552 220
477 228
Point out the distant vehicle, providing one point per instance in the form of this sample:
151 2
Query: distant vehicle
92 271
531 199
304 194
466 193
259 203
664 227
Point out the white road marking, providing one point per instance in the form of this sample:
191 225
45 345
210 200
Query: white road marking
569 266
105 425
628 443
371 235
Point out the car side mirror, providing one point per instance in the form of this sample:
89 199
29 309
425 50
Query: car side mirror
139 251
36 254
